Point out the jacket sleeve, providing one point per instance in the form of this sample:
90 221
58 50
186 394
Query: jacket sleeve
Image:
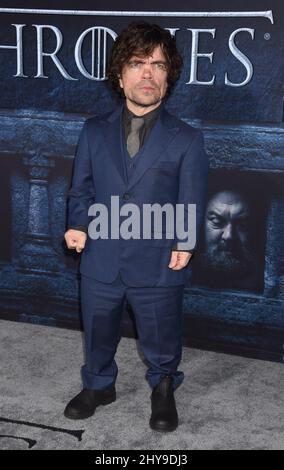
82 191
192 190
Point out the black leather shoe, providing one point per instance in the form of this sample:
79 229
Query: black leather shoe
84 404
164 415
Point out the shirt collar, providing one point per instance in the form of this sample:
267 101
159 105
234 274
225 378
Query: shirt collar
148 117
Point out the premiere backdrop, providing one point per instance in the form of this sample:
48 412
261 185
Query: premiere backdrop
53 59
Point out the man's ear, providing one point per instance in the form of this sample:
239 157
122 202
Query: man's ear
120 81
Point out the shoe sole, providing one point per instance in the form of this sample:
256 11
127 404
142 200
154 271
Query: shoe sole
106 401
161 428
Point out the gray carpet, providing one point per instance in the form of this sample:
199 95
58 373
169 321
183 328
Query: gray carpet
225 402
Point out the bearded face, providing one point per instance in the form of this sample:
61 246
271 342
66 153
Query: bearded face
227 255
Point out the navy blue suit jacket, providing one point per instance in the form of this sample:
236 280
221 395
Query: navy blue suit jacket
172 168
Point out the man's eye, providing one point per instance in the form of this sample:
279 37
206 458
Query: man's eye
160 66
242 223
216 221
134 65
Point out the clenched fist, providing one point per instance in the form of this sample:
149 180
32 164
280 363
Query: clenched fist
179 259
75 239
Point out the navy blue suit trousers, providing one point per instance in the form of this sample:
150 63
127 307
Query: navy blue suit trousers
158 316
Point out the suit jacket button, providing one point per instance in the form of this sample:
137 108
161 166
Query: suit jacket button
126 196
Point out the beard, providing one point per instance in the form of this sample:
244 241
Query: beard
145 100
225 263
138 102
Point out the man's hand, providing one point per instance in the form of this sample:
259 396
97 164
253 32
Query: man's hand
179 259
75 239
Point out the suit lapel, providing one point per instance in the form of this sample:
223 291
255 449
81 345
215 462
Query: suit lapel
112 129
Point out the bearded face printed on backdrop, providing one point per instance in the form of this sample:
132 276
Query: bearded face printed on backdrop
229 255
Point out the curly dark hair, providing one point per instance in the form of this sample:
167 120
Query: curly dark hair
140 39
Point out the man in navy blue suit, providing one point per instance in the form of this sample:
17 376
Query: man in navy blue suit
131 158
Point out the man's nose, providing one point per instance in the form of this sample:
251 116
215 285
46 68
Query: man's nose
147 71
228 232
